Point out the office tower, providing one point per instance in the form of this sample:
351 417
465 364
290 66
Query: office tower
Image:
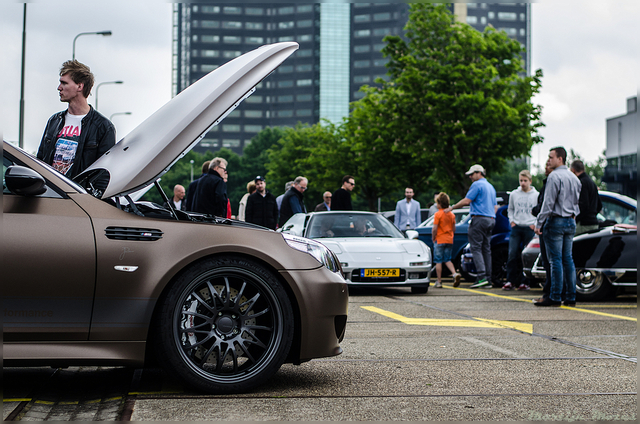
339 51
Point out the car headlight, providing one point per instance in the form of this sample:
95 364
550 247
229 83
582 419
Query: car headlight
320 252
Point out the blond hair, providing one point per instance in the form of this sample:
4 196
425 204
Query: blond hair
525 173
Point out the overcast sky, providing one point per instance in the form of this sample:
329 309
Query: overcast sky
588 50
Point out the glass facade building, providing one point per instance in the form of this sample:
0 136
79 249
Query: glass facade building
339 52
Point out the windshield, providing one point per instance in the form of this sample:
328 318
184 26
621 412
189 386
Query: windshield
462 216
326 225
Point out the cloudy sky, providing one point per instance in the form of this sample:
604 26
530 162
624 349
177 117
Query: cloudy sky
588 50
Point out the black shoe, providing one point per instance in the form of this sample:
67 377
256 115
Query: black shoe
546 302
570 303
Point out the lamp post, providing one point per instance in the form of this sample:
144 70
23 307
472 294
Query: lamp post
103 33
98 87
191 162
118 113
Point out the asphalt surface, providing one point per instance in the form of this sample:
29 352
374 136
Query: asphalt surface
450 355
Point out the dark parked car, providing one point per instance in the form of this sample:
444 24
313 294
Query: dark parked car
93 278
616 239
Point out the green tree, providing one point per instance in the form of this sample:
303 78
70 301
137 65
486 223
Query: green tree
455 97
594 169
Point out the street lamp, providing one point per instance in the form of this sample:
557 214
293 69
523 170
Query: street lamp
118 113
106 82
191 162
104 33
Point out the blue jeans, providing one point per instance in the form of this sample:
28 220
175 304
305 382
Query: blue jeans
518 238
558 238
479 236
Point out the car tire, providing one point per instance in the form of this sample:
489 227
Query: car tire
592 286
499 257
419 289
457 263
242 320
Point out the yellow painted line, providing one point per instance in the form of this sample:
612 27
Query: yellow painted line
17 400
92 401
520 299
73 402
113 398
45 402
476 322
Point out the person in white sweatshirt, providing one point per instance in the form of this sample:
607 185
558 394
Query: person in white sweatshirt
521 201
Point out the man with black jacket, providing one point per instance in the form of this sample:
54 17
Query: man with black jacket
75 138
292 202
262 208
210 195
589 202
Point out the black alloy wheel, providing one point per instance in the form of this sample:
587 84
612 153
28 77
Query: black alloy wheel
226 326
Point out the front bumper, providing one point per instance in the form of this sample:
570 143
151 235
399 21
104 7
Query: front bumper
409 276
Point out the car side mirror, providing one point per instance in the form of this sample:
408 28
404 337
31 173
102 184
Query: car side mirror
24 181
412 234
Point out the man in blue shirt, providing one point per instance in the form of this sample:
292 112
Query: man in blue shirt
481 199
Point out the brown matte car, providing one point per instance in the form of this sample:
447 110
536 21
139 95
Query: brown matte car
93 278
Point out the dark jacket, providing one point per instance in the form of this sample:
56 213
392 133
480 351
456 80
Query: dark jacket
210 195
262 210
589 201
98 135
191 193
321 207
536 209
183 205
291 204
341 200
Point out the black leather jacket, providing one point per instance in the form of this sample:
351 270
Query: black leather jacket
98 135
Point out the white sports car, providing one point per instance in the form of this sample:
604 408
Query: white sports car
371 250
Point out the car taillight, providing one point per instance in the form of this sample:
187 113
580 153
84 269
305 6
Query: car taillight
534 243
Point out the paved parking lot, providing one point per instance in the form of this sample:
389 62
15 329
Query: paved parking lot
450 355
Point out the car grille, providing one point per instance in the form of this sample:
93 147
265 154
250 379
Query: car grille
356 277
134 234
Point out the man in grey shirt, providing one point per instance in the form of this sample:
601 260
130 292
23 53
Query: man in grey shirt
557 214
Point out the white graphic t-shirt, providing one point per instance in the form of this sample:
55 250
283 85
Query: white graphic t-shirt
67 143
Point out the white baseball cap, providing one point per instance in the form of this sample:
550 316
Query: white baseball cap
476 168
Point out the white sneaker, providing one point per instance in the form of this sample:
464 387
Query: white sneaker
438 285
456 279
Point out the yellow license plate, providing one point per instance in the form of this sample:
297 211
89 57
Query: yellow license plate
381 272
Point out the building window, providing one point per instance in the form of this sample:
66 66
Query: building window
361 79
511 32
361 63
286 38
207 9
362 18
304 68
232 25
306 23
304 82
285 99
254 11
209 39
365 48
207 67
232 39
230 143
358 95
472 5
381 31
234 114
305 8
285 84
303 112
285 10
254 40
254 99
305 52
362 33
209 143
231 128
523 32
230 54
209 53
379 46
253 114
209 24
507 16
253 25
381 16
286 25
232 10
483 20
491 15
285 69
285 113
305 37
253 128
380 62
472 20
523 17
303 98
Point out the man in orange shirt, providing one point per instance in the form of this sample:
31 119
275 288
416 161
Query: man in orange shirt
444 227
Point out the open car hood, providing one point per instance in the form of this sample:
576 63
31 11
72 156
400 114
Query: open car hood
146 153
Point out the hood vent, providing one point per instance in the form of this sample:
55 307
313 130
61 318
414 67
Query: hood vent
133 234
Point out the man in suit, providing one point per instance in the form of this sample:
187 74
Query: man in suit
407 212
